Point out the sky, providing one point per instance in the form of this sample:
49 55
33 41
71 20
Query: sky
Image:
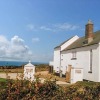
30 29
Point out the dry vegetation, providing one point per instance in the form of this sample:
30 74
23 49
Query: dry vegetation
50 76
20 69
42 71
11 69
49 90
26 90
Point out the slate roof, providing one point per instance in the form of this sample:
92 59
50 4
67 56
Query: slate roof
81 42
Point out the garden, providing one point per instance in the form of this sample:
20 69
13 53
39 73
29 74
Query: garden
49 90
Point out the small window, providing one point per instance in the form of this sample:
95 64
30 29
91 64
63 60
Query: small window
74 55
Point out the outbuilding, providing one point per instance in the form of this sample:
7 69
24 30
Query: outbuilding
29 71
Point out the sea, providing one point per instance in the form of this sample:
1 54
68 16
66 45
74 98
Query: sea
17 63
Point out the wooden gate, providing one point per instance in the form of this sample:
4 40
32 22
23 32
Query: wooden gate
68 73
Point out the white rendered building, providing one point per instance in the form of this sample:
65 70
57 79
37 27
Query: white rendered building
81 53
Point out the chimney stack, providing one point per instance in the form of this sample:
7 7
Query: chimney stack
89 31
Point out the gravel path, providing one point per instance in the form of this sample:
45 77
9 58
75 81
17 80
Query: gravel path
17 75
10 75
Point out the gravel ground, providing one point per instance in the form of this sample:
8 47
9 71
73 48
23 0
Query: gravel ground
10 75
18 75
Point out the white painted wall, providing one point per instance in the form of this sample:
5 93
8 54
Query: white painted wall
83 61
57 57
99 61
56 60
65 56
76 75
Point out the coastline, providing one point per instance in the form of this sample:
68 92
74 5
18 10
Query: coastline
18 63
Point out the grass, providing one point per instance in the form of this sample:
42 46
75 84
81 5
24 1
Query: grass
3 83
3 80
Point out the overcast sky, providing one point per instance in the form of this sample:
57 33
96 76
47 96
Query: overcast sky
30 29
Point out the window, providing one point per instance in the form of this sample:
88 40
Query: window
73 55
90 69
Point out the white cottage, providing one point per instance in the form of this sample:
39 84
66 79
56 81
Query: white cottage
83 54
29 71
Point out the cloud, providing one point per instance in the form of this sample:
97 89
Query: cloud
45 28
35 39
54 27
17 41
66 26
31 27
14 49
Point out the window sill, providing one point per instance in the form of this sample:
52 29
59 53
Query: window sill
89 71
73 58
